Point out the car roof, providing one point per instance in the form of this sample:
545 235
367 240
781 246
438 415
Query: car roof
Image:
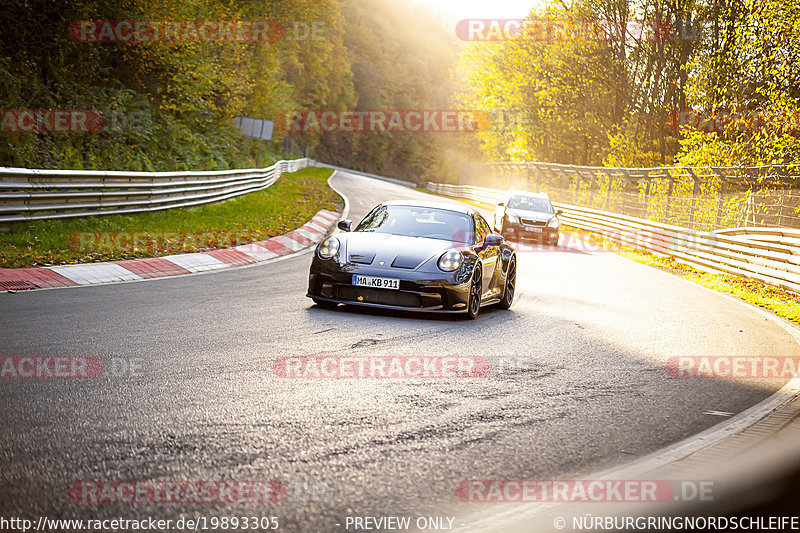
433 205
542 195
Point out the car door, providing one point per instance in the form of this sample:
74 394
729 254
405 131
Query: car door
489 256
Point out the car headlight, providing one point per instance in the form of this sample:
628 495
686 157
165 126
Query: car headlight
553 223
450 260
512 219
328 248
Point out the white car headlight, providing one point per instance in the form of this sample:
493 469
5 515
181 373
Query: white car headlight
450 260
553 223
328 248
512 218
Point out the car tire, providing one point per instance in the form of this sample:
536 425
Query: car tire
474 300
323 304
511 284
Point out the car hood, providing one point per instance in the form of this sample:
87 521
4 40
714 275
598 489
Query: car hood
531 215
397 251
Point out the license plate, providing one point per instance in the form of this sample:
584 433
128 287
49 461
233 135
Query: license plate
533 229
376 283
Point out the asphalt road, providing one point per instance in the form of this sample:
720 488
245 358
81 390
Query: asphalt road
578 384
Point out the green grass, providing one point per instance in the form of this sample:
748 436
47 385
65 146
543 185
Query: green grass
284 206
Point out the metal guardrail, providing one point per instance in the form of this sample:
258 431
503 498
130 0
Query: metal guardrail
701 198
771 255
32 194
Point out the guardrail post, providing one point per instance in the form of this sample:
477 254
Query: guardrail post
592 179
720 203
626 175
779 217
646 197
577 186
749 210
608 193
669 197
695 194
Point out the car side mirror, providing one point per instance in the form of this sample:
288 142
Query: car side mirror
493 239
345 225
559 212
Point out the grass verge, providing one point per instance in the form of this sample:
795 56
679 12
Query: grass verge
287 204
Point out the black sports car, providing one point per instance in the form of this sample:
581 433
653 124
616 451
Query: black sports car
418 256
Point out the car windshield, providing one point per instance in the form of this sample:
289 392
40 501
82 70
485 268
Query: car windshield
424 222
530 203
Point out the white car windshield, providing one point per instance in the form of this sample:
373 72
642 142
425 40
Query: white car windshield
530 203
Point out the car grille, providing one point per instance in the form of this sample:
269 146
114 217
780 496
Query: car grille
386 297
377 296
530 222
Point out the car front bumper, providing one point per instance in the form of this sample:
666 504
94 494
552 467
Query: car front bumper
422 291
520 232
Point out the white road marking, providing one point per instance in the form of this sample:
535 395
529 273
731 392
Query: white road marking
196 262
95 273
717 413
288 242
305 233
259 253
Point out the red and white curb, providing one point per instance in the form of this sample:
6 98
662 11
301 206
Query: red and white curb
171 265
